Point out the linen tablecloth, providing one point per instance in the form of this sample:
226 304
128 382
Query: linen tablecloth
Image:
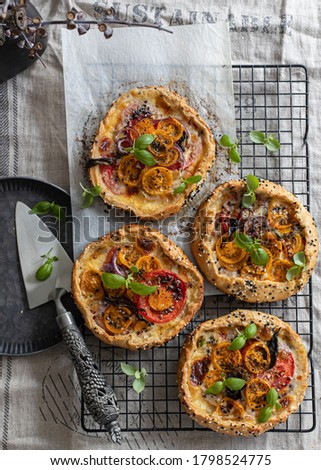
35 412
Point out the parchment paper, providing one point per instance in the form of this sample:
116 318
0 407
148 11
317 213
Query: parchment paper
194 61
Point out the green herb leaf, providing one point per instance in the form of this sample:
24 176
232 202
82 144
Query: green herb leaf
234 383
41 208
113 281
237 343
278 406
180 189
243 241
235 157
134 269
144 141
96 190
292 272
265 414
226 141
257 137
128 369
45 270
215 389
250 331
137 374
145 157
272 397
89 195
259 256
142 289
248 200
193 179
272 144
252 182
299 259
58 211
143 372
139 384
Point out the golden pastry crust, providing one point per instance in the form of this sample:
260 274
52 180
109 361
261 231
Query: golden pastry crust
197 151
245 287
199 345
171 257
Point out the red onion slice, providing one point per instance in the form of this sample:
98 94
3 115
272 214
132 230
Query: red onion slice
121 271
180 162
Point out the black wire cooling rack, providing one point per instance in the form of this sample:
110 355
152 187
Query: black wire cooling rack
273 99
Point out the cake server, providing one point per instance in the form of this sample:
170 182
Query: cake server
34 239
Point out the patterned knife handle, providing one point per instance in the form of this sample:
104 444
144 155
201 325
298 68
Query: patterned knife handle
98 395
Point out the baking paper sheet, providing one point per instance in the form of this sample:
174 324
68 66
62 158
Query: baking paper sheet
194 61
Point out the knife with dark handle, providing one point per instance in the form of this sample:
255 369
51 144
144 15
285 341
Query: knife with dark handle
34 239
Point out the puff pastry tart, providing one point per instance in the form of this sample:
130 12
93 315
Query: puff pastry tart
136 288
243 373
141 174
263 252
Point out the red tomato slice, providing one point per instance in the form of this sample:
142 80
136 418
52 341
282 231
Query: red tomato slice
172 284
282 373
110 177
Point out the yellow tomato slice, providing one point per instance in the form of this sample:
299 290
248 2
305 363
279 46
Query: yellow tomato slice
148 263
128 255
160 145
117 318
129 171
169 158
279 269
91 285
229 254
114 293
145 126
251 270
157 181
256 357
255 393
171 127
274 245
294 243
230 409
280 214
225 359
211 377
160 300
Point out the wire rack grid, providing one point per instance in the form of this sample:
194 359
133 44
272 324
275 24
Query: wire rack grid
273 99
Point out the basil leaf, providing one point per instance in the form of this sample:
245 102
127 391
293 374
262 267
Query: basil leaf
180 189
226 141
243 241
265 414
252 182
144 141
257 137
259 256
292 272
237 343
234 155
272 144
44 271
278 406
128 369
139 384
272 397
144 157
193 179
58 212
234 383
113 281
42 207
299 259
215 389
143 372
250 331
137 374
95 191
142 289
88 200
134 269
248 200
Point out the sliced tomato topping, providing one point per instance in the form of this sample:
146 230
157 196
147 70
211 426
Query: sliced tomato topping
129 170
145 126
171 127
256 356
199 370
212 376
280 214
255 392
160 145
170 299
229 254
282 373
148 263
91 285
117 318
294 242
230 409
128 255
279 269
170 157
224 359
110 177
157 181
274 245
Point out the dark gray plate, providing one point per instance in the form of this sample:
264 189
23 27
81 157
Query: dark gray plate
24 331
